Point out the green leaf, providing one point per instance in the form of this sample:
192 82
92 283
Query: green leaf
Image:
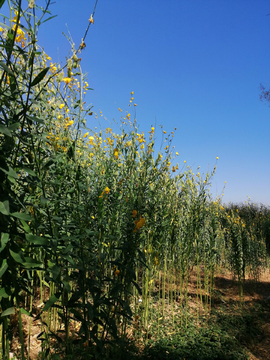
50 302
31 58
55 271
5 130
17 257
5 67
22 216
3 268
2 3
37 240
51 17
137 287
67 286
29 171
34 118
4 207
40 76
14 126
25 312
30 263
4 241
44 200
4 293
11 173
25 226
8 312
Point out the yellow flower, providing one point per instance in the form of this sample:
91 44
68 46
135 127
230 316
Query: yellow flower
107 190
91 20
20 34
117 272
86 134
177 153
120 110
53 69
67 80
173 169
61 106
116 153
217 157
134 213
132 92
48 57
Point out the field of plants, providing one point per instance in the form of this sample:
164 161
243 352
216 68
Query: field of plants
107 249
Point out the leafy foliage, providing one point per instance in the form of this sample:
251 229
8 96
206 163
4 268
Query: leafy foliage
89 219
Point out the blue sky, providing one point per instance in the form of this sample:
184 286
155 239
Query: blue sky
192 64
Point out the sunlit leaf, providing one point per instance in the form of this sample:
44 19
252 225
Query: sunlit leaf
3 268
8 312
4 207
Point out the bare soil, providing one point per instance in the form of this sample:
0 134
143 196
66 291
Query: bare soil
226 294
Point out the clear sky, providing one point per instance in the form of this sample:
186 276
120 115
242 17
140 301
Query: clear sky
192 64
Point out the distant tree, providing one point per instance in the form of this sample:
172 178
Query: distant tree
265 93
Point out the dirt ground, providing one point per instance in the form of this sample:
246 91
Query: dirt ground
227 289
254 293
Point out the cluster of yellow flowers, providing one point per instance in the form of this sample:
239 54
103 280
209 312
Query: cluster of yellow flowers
139 223
106 191
20 34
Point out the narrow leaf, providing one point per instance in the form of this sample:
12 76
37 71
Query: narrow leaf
14 126
5 67
55 271
3 268
2 3
51 17
39 77
5 130
4 241
52 300
29 171
37 240
25 226
25 312
8 312
22 216
34 118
